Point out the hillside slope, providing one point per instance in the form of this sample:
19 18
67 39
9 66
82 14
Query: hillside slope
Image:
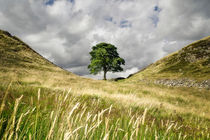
18 62
190 64
15 53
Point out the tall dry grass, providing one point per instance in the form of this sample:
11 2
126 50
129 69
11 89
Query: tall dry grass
86 117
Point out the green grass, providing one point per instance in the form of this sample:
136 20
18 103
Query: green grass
43 113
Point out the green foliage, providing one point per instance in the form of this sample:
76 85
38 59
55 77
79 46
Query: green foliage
104 57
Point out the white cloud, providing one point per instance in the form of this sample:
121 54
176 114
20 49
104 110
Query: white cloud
143 31
60 9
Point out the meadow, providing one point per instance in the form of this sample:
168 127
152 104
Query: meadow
36 112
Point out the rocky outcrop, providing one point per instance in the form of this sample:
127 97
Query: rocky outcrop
184 83
180 83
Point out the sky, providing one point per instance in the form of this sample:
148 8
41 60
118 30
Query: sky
144 31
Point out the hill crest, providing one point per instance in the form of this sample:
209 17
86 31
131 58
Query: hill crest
191 63
18 61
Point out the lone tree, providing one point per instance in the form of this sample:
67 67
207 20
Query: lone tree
104 57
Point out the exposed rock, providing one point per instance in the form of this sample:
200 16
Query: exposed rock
180 82
184 83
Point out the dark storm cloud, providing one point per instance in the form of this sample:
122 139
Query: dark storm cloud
143 31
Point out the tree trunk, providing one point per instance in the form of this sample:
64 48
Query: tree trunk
104 75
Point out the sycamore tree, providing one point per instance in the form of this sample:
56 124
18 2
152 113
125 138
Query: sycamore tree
104 57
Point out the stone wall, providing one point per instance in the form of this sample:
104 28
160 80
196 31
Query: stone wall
184 83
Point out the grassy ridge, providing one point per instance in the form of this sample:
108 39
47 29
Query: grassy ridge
19 62
15 53
193 61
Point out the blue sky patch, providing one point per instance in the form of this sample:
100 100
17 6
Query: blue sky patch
125 24
157 9
72 1
108 18
49 2
155 17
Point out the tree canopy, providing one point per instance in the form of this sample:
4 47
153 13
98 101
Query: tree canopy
104 57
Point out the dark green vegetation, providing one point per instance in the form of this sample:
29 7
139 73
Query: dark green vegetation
104 57
45 102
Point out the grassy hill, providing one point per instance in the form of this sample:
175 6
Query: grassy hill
39 100
192 62
23 64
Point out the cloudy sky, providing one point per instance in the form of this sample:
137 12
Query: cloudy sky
64 31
